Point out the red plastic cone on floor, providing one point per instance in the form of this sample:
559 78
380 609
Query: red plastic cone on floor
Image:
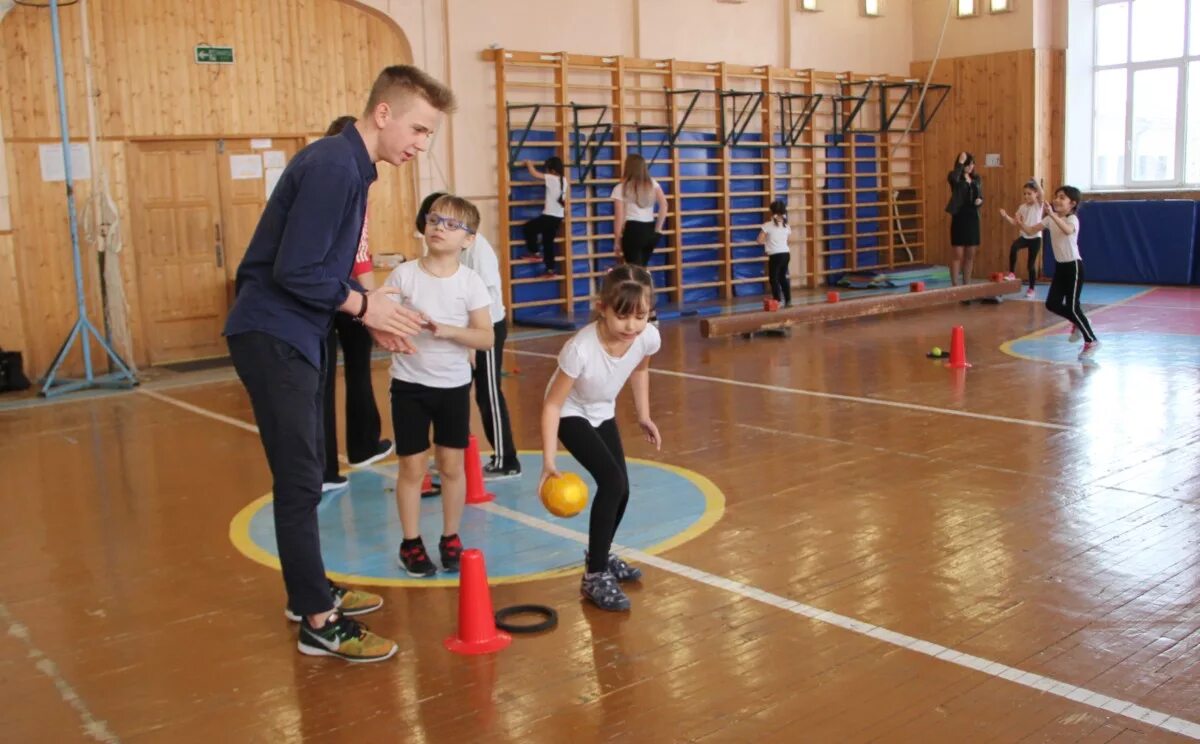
958 349
427 484
477 633
476 493
770 305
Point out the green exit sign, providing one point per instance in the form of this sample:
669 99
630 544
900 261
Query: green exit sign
214 55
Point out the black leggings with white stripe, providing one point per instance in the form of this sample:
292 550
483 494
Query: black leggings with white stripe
490 398
1063 296
599 450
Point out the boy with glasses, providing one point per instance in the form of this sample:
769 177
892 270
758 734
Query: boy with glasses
433 386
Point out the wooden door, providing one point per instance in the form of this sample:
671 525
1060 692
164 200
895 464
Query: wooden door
246 168
175 200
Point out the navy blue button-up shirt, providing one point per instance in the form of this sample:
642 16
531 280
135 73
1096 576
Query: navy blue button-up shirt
296 271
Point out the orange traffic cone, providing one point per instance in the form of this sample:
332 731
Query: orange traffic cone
770 305
832 296
477 633
427 485
476 494
958 350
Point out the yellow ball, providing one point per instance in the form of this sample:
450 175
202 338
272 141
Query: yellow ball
936 351
564 495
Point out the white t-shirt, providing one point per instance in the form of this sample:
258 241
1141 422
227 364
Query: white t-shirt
437 363
1066 246
777 237
554 189
1029 217
633 212
481 258
598 376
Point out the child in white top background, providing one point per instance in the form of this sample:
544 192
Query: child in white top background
544 227
1067 284
580 410
480 257
1029 221
774 238
432 385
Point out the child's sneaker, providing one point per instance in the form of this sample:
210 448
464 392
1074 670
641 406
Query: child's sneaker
602 590
1010 276
335 482
1030 294
495 470
1089 349
620 570
414 560
451 549
351 602
382 450
1075 334
344 638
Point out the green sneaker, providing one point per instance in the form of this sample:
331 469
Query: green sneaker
345 638
351 602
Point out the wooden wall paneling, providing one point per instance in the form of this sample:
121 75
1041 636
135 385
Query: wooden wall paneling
12 325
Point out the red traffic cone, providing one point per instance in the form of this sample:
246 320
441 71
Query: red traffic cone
916 286
832 296
477 633
770 305
958 350
476 493
427 484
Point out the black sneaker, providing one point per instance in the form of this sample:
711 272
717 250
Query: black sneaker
603 591
496 471
451 549
384 449
415 561
344 638
620 570
333 483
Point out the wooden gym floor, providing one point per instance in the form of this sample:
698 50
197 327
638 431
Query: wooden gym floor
904 554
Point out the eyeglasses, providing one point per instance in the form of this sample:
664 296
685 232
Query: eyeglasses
436 220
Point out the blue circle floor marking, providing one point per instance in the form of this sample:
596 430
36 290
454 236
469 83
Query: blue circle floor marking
360 528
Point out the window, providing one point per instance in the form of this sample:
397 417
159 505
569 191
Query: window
871 8
967 8
1000 6
809 5
1145 94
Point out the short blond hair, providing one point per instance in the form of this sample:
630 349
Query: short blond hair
398 83
457 208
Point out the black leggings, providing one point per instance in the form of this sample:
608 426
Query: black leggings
1063 296
544 227
598 449
777 275
362 417
638 240
490 397
1035 247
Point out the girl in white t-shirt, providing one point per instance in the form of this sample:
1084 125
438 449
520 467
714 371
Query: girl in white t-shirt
579 409
1029 222
635 224
774 238
544 227
1067 283
433 385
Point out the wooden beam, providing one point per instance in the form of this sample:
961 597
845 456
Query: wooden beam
730 325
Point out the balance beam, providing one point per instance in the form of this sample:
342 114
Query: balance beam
742 323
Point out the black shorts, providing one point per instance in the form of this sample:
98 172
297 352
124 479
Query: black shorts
415 406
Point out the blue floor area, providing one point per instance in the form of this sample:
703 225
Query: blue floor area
360 527
1158 350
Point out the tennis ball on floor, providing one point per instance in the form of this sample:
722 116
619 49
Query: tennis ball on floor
936 351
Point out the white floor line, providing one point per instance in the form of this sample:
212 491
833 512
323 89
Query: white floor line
942 653
834 396
197 409
92 727
1033 681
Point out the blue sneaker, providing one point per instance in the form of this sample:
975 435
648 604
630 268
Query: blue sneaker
620 570
603 591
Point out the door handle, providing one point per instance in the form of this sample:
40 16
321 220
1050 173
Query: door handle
220 249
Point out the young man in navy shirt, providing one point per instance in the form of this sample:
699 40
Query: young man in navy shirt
294 277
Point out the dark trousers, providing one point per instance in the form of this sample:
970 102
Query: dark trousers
362 416
1034 246
598 449
285 393
638 241
1063 296
542 228
777 275
488 395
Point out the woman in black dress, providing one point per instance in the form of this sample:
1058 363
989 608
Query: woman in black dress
966 194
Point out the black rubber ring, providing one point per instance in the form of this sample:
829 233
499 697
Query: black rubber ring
550 622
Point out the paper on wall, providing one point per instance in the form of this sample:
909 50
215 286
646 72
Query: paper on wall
272 178
260 144
51 158
245 167
274 158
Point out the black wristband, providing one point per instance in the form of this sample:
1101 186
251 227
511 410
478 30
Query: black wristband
362 310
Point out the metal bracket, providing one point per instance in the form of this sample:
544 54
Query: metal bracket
792 124
741 116
672 130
